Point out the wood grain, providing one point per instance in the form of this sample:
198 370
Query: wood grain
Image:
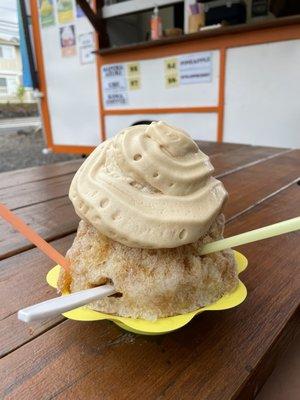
272 280
214 148
234 160
214 357
199 36
21 176
54 218
22 188
51 220
33 174
218 356
29 269
35 192
251 185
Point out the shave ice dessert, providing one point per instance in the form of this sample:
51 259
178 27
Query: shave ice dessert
148 202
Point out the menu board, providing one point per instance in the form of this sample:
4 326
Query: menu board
134 76
171 72
195 68
114 85
186 79
188 69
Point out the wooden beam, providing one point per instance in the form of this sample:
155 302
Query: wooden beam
94 19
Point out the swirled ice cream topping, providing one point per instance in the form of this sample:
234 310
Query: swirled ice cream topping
150 186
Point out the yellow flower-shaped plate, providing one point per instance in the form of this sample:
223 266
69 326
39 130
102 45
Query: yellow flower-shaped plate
161 325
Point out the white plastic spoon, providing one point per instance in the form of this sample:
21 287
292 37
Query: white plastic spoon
62 304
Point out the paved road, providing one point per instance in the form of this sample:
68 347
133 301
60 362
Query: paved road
19 124
21 145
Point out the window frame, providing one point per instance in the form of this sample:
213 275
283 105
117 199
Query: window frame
2 52
2 92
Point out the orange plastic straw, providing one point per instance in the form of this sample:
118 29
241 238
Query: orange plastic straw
33 237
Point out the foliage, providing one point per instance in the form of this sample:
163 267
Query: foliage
21 93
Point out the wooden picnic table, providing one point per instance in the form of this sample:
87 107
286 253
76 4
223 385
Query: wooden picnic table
219 355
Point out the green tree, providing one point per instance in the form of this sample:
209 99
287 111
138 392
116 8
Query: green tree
21 93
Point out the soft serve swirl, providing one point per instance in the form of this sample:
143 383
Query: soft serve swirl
150 186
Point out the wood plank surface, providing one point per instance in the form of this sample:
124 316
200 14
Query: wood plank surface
34 185
272 280
213 357
33 174
247 187
214 148
35 192
218 356
21 176
173 41
29 268
26 268
51 219
55 217
234 160
286 166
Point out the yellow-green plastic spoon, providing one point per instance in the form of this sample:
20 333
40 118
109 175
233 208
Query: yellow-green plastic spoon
266 232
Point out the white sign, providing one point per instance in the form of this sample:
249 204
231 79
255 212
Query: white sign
86 39
114 85
86 48
195 68
113 70
115 99
86 54
189 77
